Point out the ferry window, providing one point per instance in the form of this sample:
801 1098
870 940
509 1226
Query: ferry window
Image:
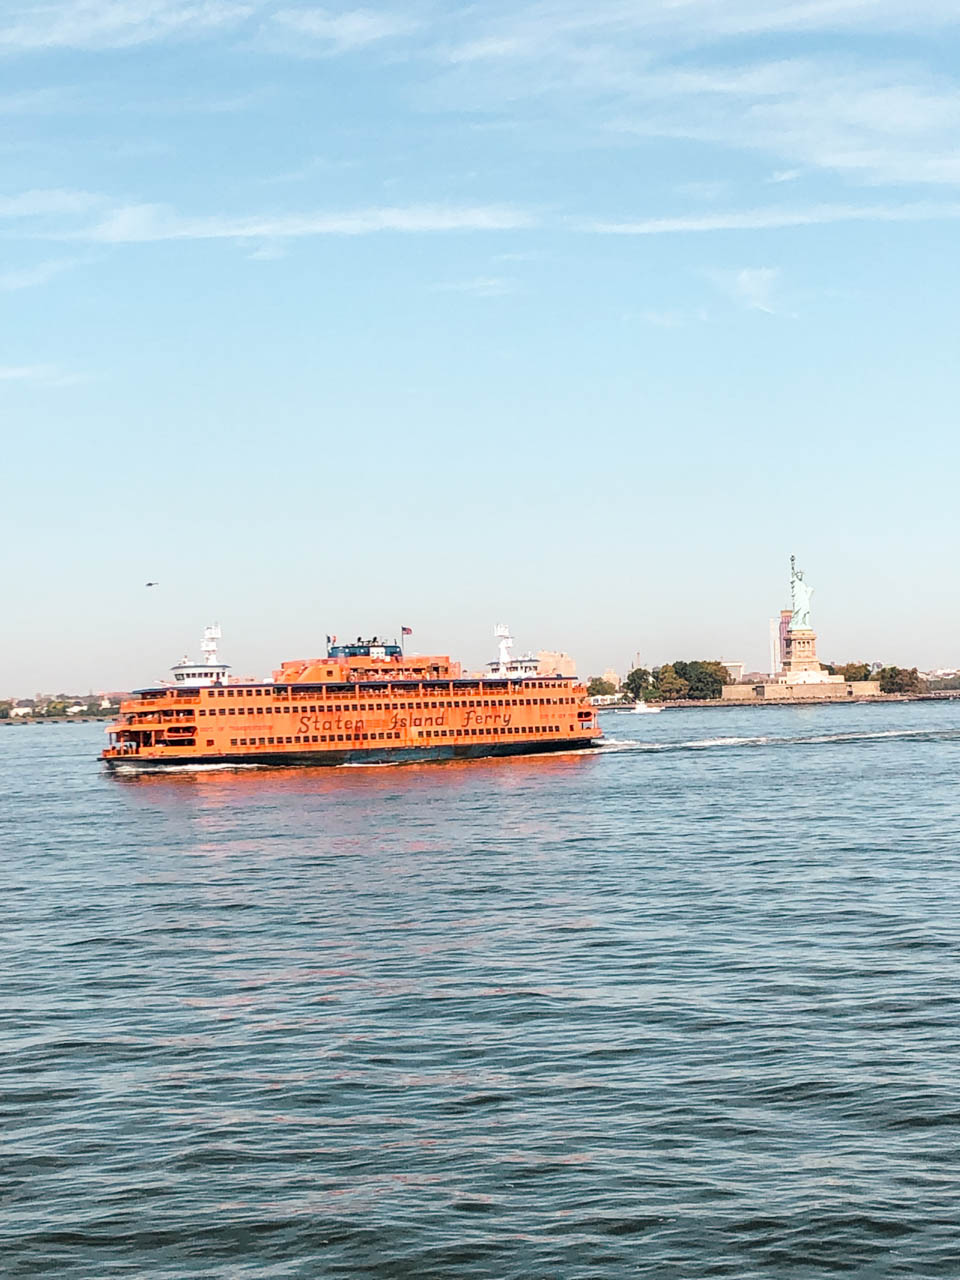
315 738
233 742
229 693
258 693
243 742
296 739
232 710
339 737
379 706
379 735
201 712
269 742
289 739
209 742
312 708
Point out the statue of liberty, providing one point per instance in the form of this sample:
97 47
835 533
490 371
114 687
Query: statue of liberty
800 595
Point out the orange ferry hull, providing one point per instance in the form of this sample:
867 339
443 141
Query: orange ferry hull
313 759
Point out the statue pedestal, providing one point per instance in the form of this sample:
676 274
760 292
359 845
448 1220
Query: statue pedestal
801 652
801 664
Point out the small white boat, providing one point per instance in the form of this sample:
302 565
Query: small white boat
645 709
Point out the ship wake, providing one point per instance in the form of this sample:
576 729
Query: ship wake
768 740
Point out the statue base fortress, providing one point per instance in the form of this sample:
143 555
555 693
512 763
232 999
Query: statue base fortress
802 679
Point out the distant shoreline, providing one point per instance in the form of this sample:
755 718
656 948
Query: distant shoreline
87 719
689 704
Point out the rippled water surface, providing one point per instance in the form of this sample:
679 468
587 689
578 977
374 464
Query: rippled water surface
685 1007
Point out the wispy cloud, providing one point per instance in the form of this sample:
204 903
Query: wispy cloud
69 216
773 219
753 288
112 24
39 274
338 32
615 69
508 29
32 204
875 124
123 24
146 223
30 373
269 252
461 32
663 69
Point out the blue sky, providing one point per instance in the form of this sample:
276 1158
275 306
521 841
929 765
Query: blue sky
579 316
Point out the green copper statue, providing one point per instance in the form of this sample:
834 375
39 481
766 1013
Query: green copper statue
800 595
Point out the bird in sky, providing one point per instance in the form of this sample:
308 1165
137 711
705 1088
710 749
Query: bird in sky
153 584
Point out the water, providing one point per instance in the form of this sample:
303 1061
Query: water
686 1007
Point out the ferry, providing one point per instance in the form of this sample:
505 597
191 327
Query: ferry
366 702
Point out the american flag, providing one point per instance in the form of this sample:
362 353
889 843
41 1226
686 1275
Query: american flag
406 631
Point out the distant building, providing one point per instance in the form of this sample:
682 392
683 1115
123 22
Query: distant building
611 677
553 663
785 616
22 709
735 670
547 662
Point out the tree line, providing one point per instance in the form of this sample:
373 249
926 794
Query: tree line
703 680
699 681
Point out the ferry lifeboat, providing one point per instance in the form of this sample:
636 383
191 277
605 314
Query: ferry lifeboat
363 703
